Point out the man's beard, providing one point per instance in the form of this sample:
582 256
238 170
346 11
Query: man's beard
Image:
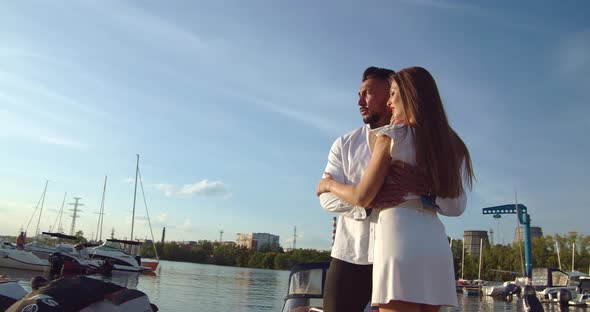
373 119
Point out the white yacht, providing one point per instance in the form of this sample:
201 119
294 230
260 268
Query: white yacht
123 254
10 257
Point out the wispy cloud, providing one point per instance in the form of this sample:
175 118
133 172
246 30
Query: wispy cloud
574 56
55 140
42 93
499 17
186 226
152 28
23 54
131 180
440 4
168 189
300 116
201 188
16 126
174 38
163 217
15 206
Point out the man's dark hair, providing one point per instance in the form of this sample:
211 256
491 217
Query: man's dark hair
378 73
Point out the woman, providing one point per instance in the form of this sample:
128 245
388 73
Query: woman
412 262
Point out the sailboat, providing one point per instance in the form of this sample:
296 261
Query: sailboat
12 257
125 254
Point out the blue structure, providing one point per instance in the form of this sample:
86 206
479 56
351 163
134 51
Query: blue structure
525 220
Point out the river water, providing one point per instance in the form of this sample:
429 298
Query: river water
180 286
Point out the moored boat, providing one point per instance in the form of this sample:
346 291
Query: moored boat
150 263
81 294
10 292
10 257
306 287
123 254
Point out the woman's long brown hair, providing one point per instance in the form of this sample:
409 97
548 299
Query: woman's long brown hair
439 150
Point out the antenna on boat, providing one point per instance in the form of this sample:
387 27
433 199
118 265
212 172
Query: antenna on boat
134 196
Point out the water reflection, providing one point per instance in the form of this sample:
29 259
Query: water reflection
23 276
179 286
491 304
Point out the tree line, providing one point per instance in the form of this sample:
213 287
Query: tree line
207 252
505 262
499 262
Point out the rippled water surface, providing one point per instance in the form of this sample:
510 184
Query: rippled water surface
179 286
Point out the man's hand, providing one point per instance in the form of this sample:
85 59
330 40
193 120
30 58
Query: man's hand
324 185
401 180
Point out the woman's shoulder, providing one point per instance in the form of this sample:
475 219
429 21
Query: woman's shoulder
394 131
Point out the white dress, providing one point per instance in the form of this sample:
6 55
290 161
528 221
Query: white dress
412 260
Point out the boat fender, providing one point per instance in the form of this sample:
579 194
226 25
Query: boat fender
564 296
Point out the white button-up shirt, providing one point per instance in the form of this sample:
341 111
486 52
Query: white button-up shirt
349 156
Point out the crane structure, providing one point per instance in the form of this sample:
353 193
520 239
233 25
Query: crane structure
525 220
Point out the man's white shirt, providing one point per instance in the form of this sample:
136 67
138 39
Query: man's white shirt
348 158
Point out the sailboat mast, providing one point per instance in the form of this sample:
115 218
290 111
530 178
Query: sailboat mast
41 209
101 212
558 252
573 255
462 258
134 196
102 207
480 253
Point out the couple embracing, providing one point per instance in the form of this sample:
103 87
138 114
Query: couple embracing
388 181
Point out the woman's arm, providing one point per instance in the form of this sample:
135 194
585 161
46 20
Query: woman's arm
363 193
452 207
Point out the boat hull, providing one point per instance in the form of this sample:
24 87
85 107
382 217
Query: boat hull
22 260
151 264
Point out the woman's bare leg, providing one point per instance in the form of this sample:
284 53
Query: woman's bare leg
429 308
399 306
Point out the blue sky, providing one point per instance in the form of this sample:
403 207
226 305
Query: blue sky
233 106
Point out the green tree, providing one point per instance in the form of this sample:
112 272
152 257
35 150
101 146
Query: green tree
80 236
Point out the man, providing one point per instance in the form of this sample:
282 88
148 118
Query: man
348 282
20 241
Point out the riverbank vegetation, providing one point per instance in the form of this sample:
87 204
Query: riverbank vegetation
499 262
505 262
273 257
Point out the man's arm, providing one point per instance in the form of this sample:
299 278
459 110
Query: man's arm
363 193
331 202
